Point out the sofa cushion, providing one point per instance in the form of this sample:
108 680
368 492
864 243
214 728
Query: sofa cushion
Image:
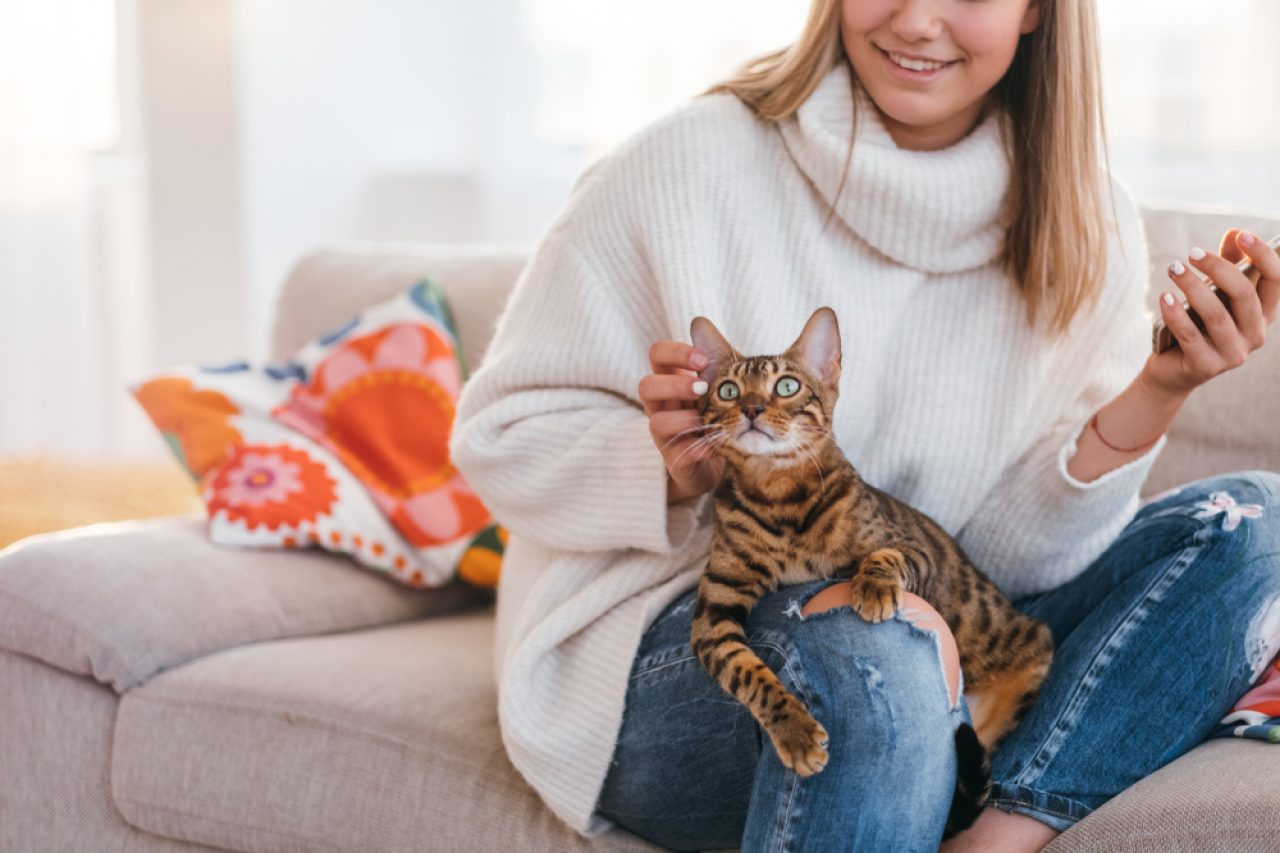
359 743
55 753
345 445
122 601
352 742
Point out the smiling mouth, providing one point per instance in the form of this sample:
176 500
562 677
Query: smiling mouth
915 64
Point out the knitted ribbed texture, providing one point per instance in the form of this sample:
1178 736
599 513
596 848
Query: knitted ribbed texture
948 399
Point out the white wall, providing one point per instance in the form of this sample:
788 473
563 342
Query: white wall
390 120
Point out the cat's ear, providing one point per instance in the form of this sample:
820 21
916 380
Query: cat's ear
707 337
818 347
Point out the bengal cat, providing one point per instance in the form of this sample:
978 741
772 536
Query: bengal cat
791 509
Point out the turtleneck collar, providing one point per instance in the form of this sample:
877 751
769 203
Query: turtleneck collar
936 211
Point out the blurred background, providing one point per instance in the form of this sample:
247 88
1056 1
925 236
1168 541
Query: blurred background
164 162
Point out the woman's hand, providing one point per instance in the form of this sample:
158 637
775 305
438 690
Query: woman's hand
669 395
1232 334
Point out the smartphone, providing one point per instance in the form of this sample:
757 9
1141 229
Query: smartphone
1162 339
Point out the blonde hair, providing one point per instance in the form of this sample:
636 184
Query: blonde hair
1056 242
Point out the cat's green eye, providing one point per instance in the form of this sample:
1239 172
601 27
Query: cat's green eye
727 391
788 386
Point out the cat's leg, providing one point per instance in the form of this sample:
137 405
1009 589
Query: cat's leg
877 587
727 593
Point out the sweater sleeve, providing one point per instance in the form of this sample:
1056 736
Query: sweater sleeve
550 432
1038 526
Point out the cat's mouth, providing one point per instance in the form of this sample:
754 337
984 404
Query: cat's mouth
755 441
754 428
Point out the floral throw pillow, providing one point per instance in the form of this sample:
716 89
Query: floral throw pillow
345 446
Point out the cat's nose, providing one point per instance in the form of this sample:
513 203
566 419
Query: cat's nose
752 411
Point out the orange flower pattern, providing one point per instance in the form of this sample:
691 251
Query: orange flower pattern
383 403
272 486
195 422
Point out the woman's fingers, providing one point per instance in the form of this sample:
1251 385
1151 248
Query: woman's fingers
1193 347
660 391
1245 307
676 432
670 360
670 356
1228 248
1267 261
1224 337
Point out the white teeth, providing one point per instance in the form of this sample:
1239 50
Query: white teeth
915 64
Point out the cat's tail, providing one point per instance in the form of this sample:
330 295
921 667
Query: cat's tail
973 781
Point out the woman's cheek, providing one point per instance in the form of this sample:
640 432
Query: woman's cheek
990 41
864 16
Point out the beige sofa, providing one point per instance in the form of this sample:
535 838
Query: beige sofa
158 693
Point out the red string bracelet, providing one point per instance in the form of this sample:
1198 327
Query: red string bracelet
1094 423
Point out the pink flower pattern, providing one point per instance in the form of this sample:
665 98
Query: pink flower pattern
1222 503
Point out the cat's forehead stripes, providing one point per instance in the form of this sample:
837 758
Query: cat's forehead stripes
763 367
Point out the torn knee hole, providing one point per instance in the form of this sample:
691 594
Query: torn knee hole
923 617
827 598
915 610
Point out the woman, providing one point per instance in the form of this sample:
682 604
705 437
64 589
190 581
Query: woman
930 169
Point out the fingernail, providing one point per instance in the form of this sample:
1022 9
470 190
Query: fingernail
1167 299
699 387
1245 239
1197 254
1177 268
698 360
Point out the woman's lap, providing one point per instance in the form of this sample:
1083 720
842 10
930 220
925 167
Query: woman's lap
692 769
1155 641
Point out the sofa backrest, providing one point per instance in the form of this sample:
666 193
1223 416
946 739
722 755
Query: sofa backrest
329 286
1229 424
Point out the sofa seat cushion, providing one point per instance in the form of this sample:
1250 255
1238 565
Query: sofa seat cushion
352 742
123 601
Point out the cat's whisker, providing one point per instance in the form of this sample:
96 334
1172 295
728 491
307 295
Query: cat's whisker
705 441
806 447
682 433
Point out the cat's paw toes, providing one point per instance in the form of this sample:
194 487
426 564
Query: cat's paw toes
875 600
801 743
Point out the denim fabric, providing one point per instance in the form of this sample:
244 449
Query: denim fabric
1155 641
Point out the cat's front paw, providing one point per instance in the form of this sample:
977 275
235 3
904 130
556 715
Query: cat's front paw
801 742
875 599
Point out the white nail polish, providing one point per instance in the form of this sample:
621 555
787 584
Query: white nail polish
699 387
1168 299
1197 254
1178 268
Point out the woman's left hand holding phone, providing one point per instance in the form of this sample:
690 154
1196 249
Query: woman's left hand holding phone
1230 335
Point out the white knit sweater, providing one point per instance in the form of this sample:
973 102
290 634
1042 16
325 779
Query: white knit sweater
948 400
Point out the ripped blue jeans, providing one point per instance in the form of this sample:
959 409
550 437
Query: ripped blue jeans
1155 641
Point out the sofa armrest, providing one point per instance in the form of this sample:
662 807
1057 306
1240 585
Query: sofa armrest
329 286
120 602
